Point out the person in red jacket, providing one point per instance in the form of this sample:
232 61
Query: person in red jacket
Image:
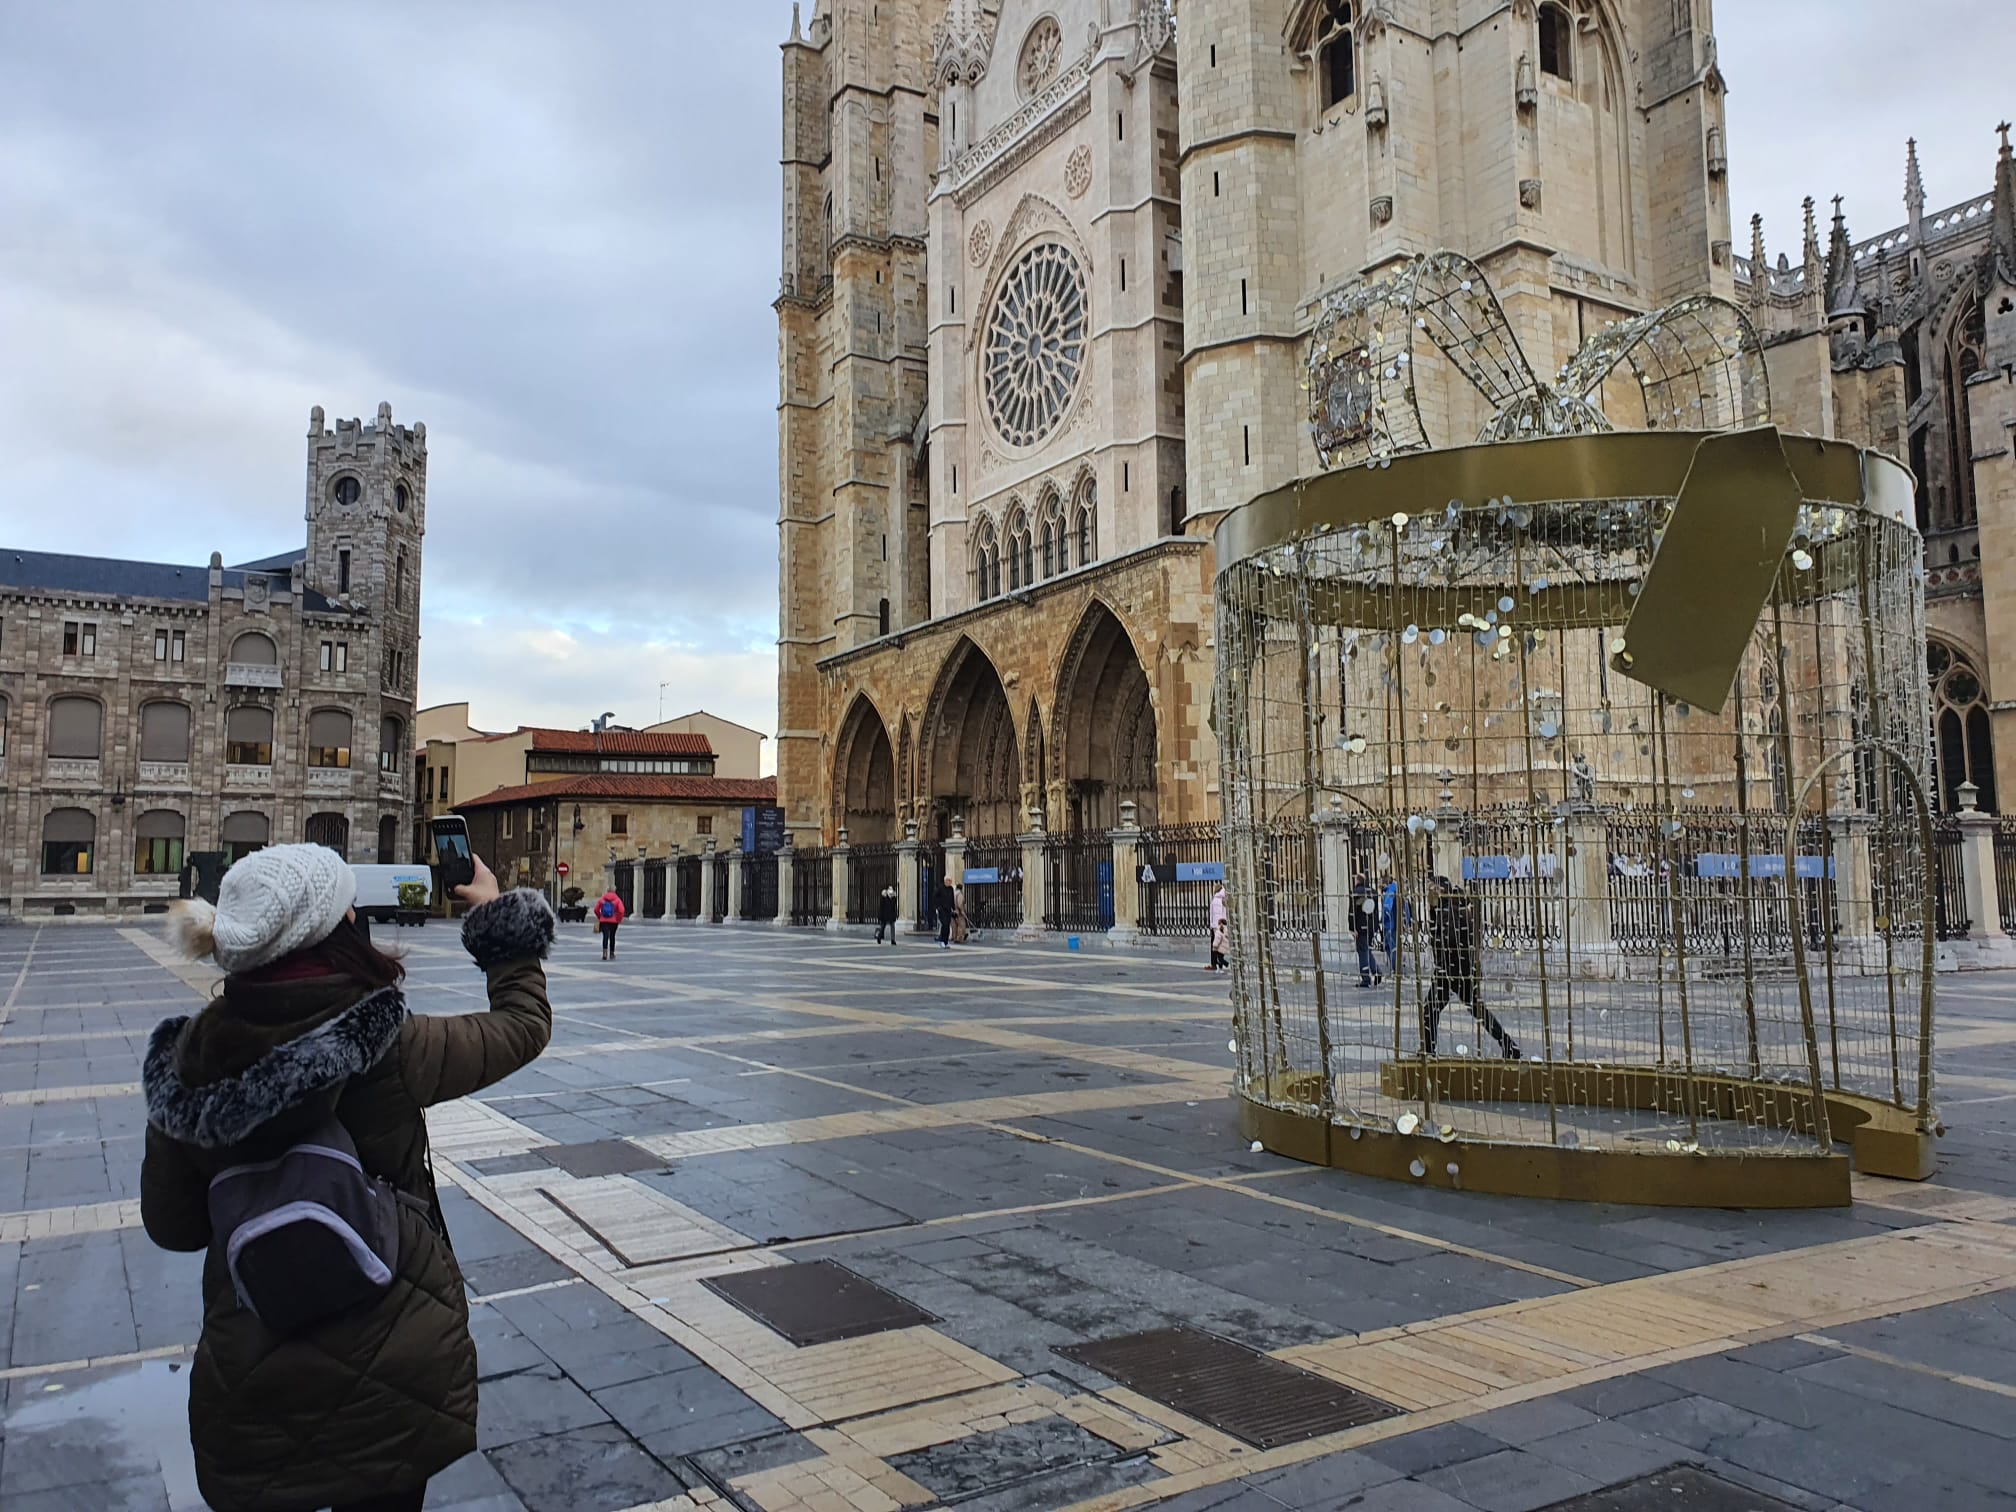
609 913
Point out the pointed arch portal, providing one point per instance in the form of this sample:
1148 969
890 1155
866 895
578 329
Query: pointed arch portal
972 756
1103 739
864 777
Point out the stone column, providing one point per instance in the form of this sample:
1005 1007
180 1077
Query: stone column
1126 876
841 851
1035 879
955 852
1333 871
1854 876
1977 860
706 882
735 881
787 865
907 850
1586 876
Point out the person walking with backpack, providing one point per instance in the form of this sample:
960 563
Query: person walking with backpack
286 1135
609 912
885 915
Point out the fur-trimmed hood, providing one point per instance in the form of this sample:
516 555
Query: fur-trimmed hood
225 1112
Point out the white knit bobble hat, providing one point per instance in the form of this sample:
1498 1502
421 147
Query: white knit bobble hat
273 902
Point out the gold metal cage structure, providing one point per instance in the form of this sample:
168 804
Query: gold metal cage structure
1508 913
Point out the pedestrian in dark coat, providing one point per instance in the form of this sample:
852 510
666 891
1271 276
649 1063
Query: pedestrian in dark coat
946 901
1365 930
1452 928
358 1411
885 916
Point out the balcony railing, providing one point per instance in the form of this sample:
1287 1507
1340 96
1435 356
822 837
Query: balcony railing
71 770
248 776
168 774
330 779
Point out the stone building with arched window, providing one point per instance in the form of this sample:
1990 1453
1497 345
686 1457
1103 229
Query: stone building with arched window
150 712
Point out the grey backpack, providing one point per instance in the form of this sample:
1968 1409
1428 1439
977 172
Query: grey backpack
308 1235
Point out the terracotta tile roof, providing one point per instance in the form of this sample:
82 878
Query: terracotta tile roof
720 790
619 743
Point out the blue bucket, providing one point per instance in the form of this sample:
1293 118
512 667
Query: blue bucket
1071 943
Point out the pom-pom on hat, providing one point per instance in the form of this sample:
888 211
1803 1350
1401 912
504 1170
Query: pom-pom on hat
273 902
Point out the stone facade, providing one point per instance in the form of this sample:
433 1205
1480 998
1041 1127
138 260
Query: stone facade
1907 341
1203 187
154 711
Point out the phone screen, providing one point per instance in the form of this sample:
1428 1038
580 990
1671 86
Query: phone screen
451 843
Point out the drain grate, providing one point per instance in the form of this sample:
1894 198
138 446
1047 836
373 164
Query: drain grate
1687 1486
601 1157
1258 1400
816 1302
1234 1390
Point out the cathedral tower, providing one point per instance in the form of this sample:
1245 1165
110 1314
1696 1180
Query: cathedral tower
860 139
367 514
1574 148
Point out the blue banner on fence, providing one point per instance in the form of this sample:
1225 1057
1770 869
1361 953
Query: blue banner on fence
1504 868
1200 871
978 875
1722 867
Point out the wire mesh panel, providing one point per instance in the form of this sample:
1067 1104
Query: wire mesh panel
811 887
1630 925
1181 867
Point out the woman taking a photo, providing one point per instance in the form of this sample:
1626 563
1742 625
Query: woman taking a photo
286 1135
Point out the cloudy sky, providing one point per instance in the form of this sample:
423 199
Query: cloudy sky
550 231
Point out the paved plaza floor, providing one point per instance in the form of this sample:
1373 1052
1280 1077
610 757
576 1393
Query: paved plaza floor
1025 1151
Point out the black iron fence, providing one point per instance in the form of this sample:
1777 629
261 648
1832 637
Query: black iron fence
686 891
1720 878
625 885
993 885
717 905
1949 871
870 868
759 889
1513 869
1181 867
655 889
2005 871
812 887
1081 880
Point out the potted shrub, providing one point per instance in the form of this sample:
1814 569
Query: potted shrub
572 909
412 904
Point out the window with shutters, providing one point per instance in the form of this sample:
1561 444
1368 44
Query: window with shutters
245 833
164 732
157 843
69 838
248 737
329 735
80 638
178 646
391 737
255 650
332 830
705 825
619 824
160 645
75 728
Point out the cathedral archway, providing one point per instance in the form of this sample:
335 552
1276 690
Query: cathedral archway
864 777
1102 743
972 759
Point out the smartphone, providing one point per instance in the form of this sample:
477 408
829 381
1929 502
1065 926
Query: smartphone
451 852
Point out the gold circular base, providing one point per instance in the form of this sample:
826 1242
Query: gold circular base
1886 1140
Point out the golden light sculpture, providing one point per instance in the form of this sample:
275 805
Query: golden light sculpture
1608 747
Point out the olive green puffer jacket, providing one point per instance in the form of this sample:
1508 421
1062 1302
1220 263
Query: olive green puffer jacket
376 1400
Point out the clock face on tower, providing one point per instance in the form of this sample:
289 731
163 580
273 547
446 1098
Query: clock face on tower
1035 345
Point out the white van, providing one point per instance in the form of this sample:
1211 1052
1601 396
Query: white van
378 893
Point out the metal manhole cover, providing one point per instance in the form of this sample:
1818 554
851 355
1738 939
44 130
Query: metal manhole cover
1678 1488
816 1302
1258 1400
601 1157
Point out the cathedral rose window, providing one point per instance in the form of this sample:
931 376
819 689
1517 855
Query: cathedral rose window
1040 55
1035 348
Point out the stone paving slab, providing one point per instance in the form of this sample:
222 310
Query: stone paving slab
1036 1147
